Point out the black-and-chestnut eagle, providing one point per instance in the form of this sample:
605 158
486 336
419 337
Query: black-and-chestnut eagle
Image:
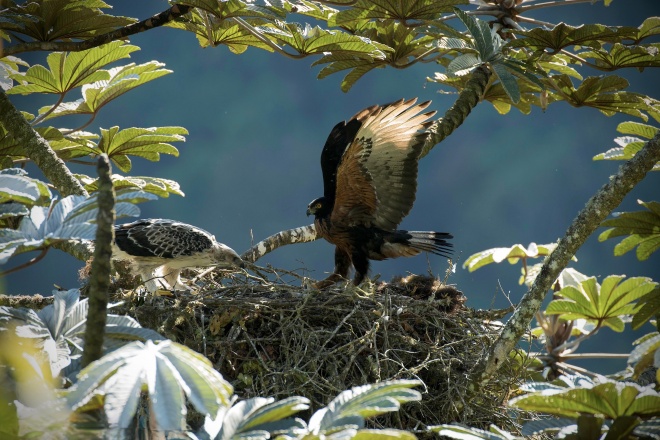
158 249
369 167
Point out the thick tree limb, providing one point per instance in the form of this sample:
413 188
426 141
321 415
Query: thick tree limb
99 281
455 116
297 235
588 219
157 20
38 149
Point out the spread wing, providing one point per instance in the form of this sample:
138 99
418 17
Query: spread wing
377 177
338 140
161 238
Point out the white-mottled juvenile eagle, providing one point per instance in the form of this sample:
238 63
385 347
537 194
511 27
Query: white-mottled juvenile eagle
159 249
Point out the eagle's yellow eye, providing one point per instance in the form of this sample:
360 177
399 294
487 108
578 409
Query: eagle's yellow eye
318 206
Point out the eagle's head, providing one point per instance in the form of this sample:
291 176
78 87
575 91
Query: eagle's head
319 207
225 257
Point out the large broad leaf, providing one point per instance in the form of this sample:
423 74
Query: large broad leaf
349 409
238 8
256 418
609 399
166 371
15 186
619 56
564 35
66 146
512 254
630 145
70 219
117 81
641 227
604 93
467 433
314 40
605 304
486 41
60 19
148 143
153 185
70 70
649 306
402 10
646 354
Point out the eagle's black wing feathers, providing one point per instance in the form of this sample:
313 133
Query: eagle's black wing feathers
161 238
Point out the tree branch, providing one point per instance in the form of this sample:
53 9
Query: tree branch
99 282
597 209
157 20
302 234
38 149
455 116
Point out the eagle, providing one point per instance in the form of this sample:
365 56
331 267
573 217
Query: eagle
369 166
158 249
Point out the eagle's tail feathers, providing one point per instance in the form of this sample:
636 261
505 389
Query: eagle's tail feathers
434 242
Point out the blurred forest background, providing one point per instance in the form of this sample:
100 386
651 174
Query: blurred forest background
257 125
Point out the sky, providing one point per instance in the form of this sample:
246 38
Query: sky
258 122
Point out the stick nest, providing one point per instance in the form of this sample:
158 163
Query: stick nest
276 338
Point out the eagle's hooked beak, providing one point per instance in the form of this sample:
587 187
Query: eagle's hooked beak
309 211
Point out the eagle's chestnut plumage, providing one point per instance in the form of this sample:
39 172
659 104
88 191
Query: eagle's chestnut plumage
159 249
369 167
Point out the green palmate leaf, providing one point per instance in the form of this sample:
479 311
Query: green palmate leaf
555 63
644 354
605 304
649 28
349 409
237 8
318 11
629 145
68 220
619 56
67 146
213 32
148 143
70 70
641 227
255 418
401 10
563 35
59 19
15 186
635 128
153 185
310 40
467 433
603 93
119 81
608 399
649 307
463 64
486 42
507 81
9 66
512 254
165 370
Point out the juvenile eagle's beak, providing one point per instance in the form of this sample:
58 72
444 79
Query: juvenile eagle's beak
309 211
